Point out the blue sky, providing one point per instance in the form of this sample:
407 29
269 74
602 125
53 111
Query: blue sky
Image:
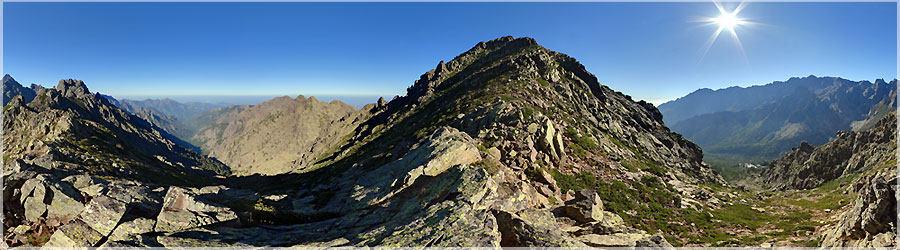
651 51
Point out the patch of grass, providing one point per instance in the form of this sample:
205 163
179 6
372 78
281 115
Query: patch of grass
654 168
261 206
507 98
528 113
37 239
580 144
489 166
629 167
652 205
577 151
481 148
543 82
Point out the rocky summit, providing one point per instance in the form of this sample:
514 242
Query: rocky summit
507 144
277 136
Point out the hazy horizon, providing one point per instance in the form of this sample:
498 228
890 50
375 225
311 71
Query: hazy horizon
357 101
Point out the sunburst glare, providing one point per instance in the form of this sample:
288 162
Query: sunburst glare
727 21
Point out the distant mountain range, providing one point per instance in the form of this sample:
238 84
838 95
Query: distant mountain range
179 119
759 123
169 107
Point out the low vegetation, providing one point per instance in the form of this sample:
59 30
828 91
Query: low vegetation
742 219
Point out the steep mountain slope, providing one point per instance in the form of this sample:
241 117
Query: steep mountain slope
848 153
813 112
68 127
12 88
273 137
179 119
508 144
167 123
878 111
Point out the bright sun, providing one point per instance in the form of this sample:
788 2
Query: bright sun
727 21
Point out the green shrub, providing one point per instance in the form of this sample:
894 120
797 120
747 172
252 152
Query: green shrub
543 82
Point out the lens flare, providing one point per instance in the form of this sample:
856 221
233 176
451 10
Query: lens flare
727 21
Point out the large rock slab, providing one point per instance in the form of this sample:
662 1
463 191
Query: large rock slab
182 209
452 214
76 233
128 230
65 204
532 227
445 148
586 207
103 214
432 156
57 202
612 240
34 192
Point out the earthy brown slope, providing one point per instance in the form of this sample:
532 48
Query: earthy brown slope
276 136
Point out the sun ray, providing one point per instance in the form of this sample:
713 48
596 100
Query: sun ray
739 8
727 20
739 44
709 42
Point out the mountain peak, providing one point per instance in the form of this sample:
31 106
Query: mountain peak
72 88
12 88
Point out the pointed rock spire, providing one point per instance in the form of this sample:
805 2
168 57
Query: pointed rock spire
72 88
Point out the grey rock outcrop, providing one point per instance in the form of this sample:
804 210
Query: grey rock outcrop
537 228
182 209
586 207
12 88
849 152
871 218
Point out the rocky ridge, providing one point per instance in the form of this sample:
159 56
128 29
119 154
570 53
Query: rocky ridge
508 144
850 152
68 127
12 88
